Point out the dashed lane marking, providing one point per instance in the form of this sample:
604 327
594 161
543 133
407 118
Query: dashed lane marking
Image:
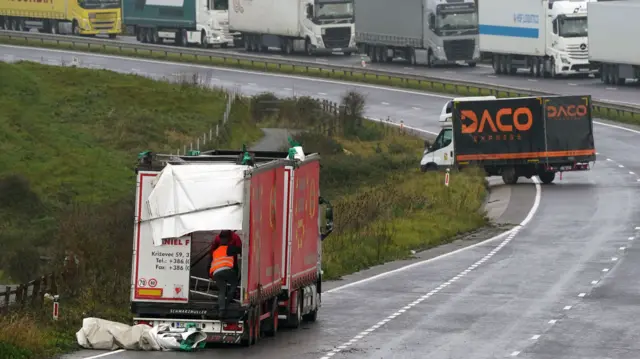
511 235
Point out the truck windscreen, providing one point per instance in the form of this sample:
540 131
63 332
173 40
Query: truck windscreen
572 26
99 4
457 17
333 10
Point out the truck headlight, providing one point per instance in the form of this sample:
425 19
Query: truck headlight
565 60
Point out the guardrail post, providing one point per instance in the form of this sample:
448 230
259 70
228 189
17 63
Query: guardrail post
36 290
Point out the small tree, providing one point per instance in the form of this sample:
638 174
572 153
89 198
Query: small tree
352 104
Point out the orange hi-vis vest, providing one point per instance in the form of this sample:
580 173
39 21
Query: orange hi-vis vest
220 260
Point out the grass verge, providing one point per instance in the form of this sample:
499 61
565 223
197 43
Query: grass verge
384 206
347 75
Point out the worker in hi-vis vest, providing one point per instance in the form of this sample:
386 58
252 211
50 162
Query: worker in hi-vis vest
222 271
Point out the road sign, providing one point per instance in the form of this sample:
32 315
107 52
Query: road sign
153 282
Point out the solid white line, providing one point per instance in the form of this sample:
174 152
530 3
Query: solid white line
553 321
581 295
106 354
528 218
567 307
535 337
594 282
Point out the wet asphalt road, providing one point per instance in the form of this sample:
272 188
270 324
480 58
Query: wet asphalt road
629 93
564 287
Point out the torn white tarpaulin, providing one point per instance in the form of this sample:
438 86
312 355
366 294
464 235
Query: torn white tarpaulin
196 197
106 335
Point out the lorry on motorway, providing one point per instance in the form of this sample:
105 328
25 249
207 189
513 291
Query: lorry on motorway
312 26
184 22
610 23
548 38
515 137
272 202
424 32
78 17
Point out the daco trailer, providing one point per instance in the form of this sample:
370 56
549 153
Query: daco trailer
422 32
548 38
613 26
516 137
272 203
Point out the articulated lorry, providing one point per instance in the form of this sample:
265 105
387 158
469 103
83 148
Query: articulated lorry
515 137
548 38
422 32
184 22
78 17
310 26
272 203
612 27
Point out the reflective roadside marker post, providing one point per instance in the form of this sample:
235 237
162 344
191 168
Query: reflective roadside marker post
56 307
446 178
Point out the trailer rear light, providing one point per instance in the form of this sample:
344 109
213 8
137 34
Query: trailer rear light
232 327
144 322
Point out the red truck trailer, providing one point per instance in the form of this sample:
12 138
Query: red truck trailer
183 202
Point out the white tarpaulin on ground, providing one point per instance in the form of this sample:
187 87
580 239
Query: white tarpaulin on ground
196 197
102 334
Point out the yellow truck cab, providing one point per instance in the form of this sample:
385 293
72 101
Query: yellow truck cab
78 17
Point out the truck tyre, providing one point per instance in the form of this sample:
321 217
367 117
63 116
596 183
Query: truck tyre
247 44
294 320
248 336
430 59
312 316
509 176
547 177
203 39
53 27
307 47
497 66
537 63
271 325
75 29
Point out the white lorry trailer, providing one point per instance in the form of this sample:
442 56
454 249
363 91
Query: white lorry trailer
312 26
184 22
611 25
422 32
548 38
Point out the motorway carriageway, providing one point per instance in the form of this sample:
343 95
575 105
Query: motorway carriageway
562 285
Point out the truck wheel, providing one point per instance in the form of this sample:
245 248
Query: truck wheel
472 64
509 176
75 29
247 44
203 39
295 320
271 326
497 66
430 59
248 336
547 177
307 47
312 316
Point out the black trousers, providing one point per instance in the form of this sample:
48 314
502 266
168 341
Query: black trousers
222 278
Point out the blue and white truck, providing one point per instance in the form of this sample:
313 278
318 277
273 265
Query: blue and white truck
548 38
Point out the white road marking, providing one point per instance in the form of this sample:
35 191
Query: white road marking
621 166
288 89
322 94
631 173
492 76
594 282
515 354
511 234
553 321
416 108
571 84
535 337
567 307
622 248
614 259
609 159
611 88
631 238
605 270
581 295
384 103
106 354
532 80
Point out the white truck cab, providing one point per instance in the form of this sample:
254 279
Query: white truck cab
440 153
567 41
